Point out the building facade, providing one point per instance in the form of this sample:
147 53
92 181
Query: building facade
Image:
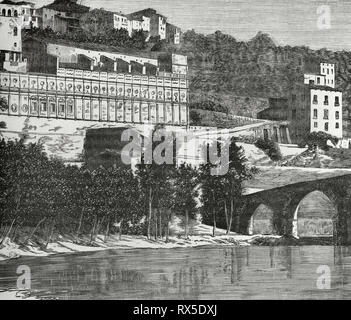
11 41
62 15
157 22
24 10
316 105
173 33
80 90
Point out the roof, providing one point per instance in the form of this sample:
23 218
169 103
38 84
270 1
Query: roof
17 3
67 6
135 18
147 13
94 46
325 88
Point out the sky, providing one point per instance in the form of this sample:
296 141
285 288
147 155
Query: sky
313 23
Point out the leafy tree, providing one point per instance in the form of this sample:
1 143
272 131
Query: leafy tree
270 147
220 192
315 140
186 181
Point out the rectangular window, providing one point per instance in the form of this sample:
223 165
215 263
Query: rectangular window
337 125
326 126
34 106
318 80
43 106
326 100
315 113
293 114
337 115
315 99
53 107
315 124
337 102
61 108
326 114
293 97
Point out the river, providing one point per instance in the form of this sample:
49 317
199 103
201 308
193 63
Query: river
220 272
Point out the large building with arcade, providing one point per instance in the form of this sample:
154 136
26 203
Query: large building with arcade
66 82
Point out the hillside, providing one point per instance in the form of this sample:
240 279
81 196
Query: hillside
223 69
234 76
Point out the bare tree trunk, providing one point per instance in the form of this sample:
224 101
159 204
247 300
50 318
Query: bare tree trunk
231 214
15 231
186 223
8 231
51 233
107 231
79 225
98 226
226 215
168 222
93 230
214 222
150 215
120 230
160 222
35 229
155 217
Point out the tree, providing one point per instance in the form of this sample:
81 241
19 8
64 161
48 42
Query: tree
218 192
154 178
315 140
186 181
270 148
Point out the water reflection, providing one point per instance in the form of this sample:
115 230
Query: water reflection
189 273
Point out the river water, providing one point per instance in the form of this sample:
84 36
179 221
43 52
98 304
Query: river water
189 273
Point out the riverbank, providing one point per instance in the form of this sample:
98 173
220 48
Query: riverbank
10 250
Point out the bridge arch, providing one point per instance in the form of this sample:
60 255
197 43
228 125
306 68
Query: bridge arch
314 215
261 220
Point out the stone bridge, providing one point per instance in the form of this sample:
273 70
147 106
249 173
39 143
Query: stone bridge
277 211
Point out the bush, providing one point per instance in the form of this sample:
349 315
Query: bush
270 147
319 139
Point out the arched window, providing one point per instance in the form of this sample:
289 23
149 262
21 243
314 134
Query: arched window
4 12
9 12
15 31
15 14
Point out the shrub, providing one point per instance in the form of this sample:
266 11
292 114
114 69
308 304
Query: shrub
270 147
319 139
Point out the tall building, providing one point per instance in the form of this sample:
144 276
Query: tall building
315 105
24 10
173 33
157 22
97 86
11 39
62 15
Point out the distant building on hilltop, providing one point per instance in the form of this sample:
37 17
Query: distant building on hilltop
157 22
62 15
173 33
315 105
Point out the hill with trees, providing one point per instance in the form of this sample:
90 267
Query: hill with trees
226 75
